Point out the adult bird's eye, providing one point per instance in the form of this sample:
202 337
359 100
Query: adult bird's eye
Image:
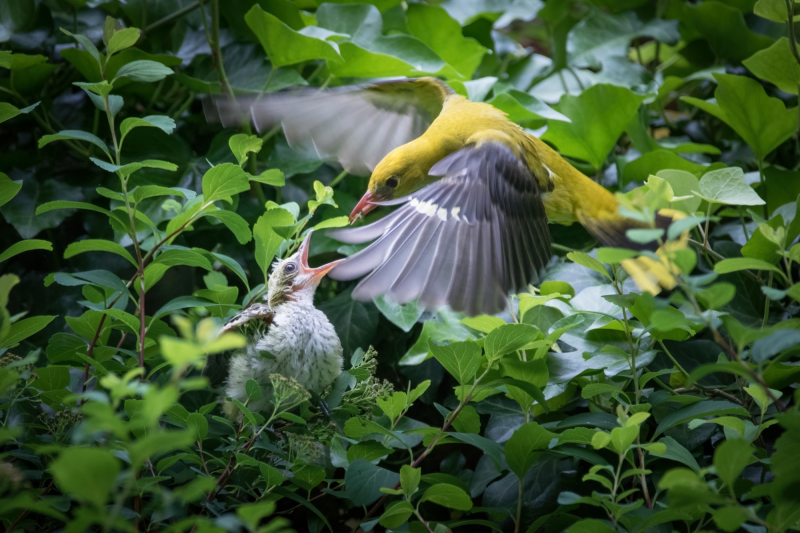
391 182
289 268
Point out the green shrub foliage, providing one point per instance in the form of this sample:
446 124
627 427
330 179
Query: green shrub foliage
132 229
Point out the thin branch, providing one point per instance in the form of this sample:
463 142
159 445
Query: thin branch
172 16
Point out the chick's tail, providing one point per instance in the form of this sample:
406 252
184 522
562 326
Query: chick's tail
651 273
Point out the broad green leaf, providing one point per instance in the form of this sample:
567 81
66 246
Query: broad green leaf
509 338
676 452
613 256
143 70
83 41
198 424
489 447
369 450
8 189
699 410
622 438
223 181
774 10
448 496
87 473
8 111
525 445
273 177
283 45
24 328
98 245
77 135
234 222
730 459
460 359
122 39
25 246
763 122
403 316
184 258
434 27
164 123
776 65
396 514
599 115
242 144
363 482
267 241
409 479
523 107
736 264
393 405
51 378
589 262
727 186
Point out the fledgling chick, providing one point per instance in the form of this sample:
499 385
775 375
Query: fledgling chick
302 340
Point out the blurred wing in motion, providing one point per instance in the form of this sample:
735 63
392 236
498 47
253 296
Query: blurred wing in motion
356 125
464 241
260 312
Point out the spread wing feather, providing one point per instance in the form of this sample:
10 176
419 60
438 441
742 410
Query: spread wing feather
356 125
465 241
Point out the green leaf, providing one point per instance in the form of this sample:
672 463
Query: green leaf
25 246
364 480
267 241
523 448
493 450
409 479
62 204
460 359
523 107
223 181
396 514
508 339
774 10
98 245
24 328
51 378
727 186
599 115
283 45
241 144
737 264
8 111
86 473
434 27
77 135
233 222
272 177
368 450
164 123
589 262
448 496
8 189
85 42
122 39
644 236
699 410
676 452
272 476
143 70
763 122
198 424
731 458
776 65
253 390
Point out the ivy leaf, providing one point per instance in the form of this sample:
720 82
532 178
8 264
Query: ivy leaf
241 144
742 103
599 115
727 186
285 46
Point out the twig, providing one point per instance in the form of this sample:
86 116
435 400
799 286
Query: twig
25 512
172 16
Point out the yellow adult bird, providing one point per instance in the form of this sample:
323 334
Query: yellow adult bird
476 191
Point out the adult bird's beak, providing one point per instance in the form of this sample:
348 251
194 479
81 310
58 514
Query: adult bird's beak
315 274
364 206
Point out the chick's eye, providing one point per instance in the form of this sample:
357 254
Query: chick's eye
391 182
289 268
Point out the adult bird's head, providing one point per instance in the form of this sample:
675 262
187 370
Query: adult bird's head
293 280
400 173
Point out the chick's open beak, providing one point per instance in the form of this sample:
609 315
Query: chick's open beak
314 273
364 206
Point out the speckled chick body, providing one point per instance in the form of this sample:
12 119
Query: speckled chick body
302 341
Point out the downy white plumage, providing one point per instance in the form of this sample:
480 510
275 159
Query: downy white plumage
300 337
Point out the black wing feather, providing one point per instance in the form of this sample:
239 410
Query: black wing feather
466 240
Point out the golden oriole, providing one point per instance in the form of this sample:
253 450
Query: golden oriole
476 190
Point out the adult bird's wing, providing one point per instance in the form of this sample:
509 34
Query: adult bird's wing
356 125
464 241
